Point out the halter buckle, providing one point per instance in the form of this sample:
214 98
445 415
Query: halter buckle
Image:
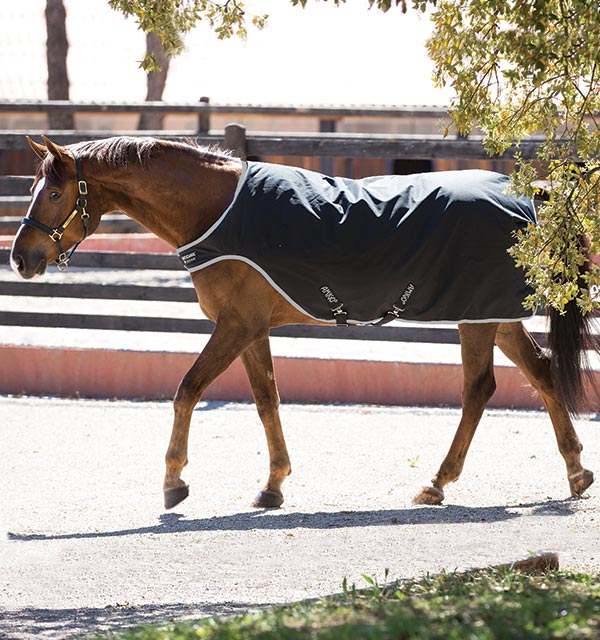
82 187
62 262
56 235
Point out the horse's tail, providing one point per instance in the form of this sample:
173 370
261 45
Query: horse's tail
570 339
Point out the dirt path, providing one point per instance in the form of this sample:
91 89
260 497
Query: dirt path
87 545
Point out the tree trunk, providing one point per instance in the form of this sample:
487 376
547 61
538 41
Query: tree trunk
155 83
56 53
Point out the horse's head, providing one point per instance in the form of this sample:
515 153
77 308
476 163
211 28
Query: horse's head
57 220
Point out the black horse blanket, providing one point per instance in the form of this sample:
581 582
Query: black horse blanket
430 247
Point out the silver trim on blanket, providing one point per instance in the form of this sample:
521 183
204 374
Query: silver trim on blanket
358 323
238 188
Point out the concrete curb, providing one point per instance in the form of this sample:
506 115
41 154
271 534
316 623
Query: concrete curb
116 373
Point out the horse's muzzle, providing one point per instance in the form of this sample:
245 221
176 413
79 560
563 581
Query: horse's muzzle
27 268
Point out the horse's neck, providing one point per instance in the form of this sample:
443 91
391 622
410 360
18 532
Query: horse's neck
177 201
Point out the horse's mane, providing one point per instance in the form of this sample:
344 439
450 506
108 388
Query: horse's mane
123 151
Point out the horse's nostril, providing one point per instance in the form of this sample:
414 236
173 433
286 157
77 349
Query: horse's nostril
17 262
19 265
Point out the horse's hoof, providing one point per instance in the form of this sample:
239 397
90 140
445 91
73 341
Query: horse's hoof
580 481
174 496
268 500
429 495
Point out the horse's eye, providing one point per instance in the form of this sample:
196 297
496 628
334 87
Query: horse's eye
55 195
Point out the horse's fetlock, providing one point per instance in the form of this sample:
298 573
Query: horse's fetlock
447 474
176 457
280 468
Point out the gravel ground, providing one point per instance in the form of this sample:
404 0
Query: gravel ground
88 547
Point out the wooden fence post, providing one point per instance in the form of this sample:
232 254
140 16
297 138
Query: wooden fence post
325 163
203 118
235 140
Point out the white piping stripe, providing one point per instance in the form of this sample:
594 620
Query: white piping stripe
349 320
205 235
265 275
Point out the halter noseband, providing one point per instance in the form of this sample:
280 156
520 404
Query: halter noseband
62 261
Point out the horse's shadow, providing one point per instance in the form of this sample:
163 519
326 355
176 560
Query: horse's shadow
276 520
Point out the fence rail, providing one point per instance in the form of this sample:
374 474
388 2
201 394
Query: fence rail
205 107
413 147
129 261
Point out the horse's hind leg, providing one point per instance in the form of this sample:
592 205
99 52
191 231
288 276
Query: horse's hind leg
259 367
518 345
477 349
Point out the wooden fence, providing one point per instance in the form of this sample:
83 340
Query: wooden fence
243 144
204 108
401 146
327 142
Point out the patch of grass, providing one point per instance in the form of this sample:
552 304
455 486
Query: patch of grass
413 462
480 605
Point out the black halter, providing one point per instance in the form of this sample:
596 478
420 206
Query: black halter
56 234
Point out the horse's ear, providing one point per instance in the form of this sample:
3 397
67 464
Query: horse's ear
56 150
39 149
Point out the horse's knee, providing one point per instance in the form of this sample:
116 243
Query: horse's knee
479 390
488 386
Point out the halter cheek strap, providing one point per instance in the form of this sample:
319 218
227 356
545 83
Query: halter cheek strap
56 234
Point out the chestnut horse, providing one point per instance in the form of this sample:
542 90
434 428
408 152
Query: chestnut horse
178 191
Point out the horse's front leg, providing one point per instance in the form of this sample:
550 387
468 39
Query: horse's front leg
259 367
228 340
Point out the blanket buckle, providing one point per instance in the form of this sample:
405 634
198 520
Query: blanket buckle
396 311
341 317
336 306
